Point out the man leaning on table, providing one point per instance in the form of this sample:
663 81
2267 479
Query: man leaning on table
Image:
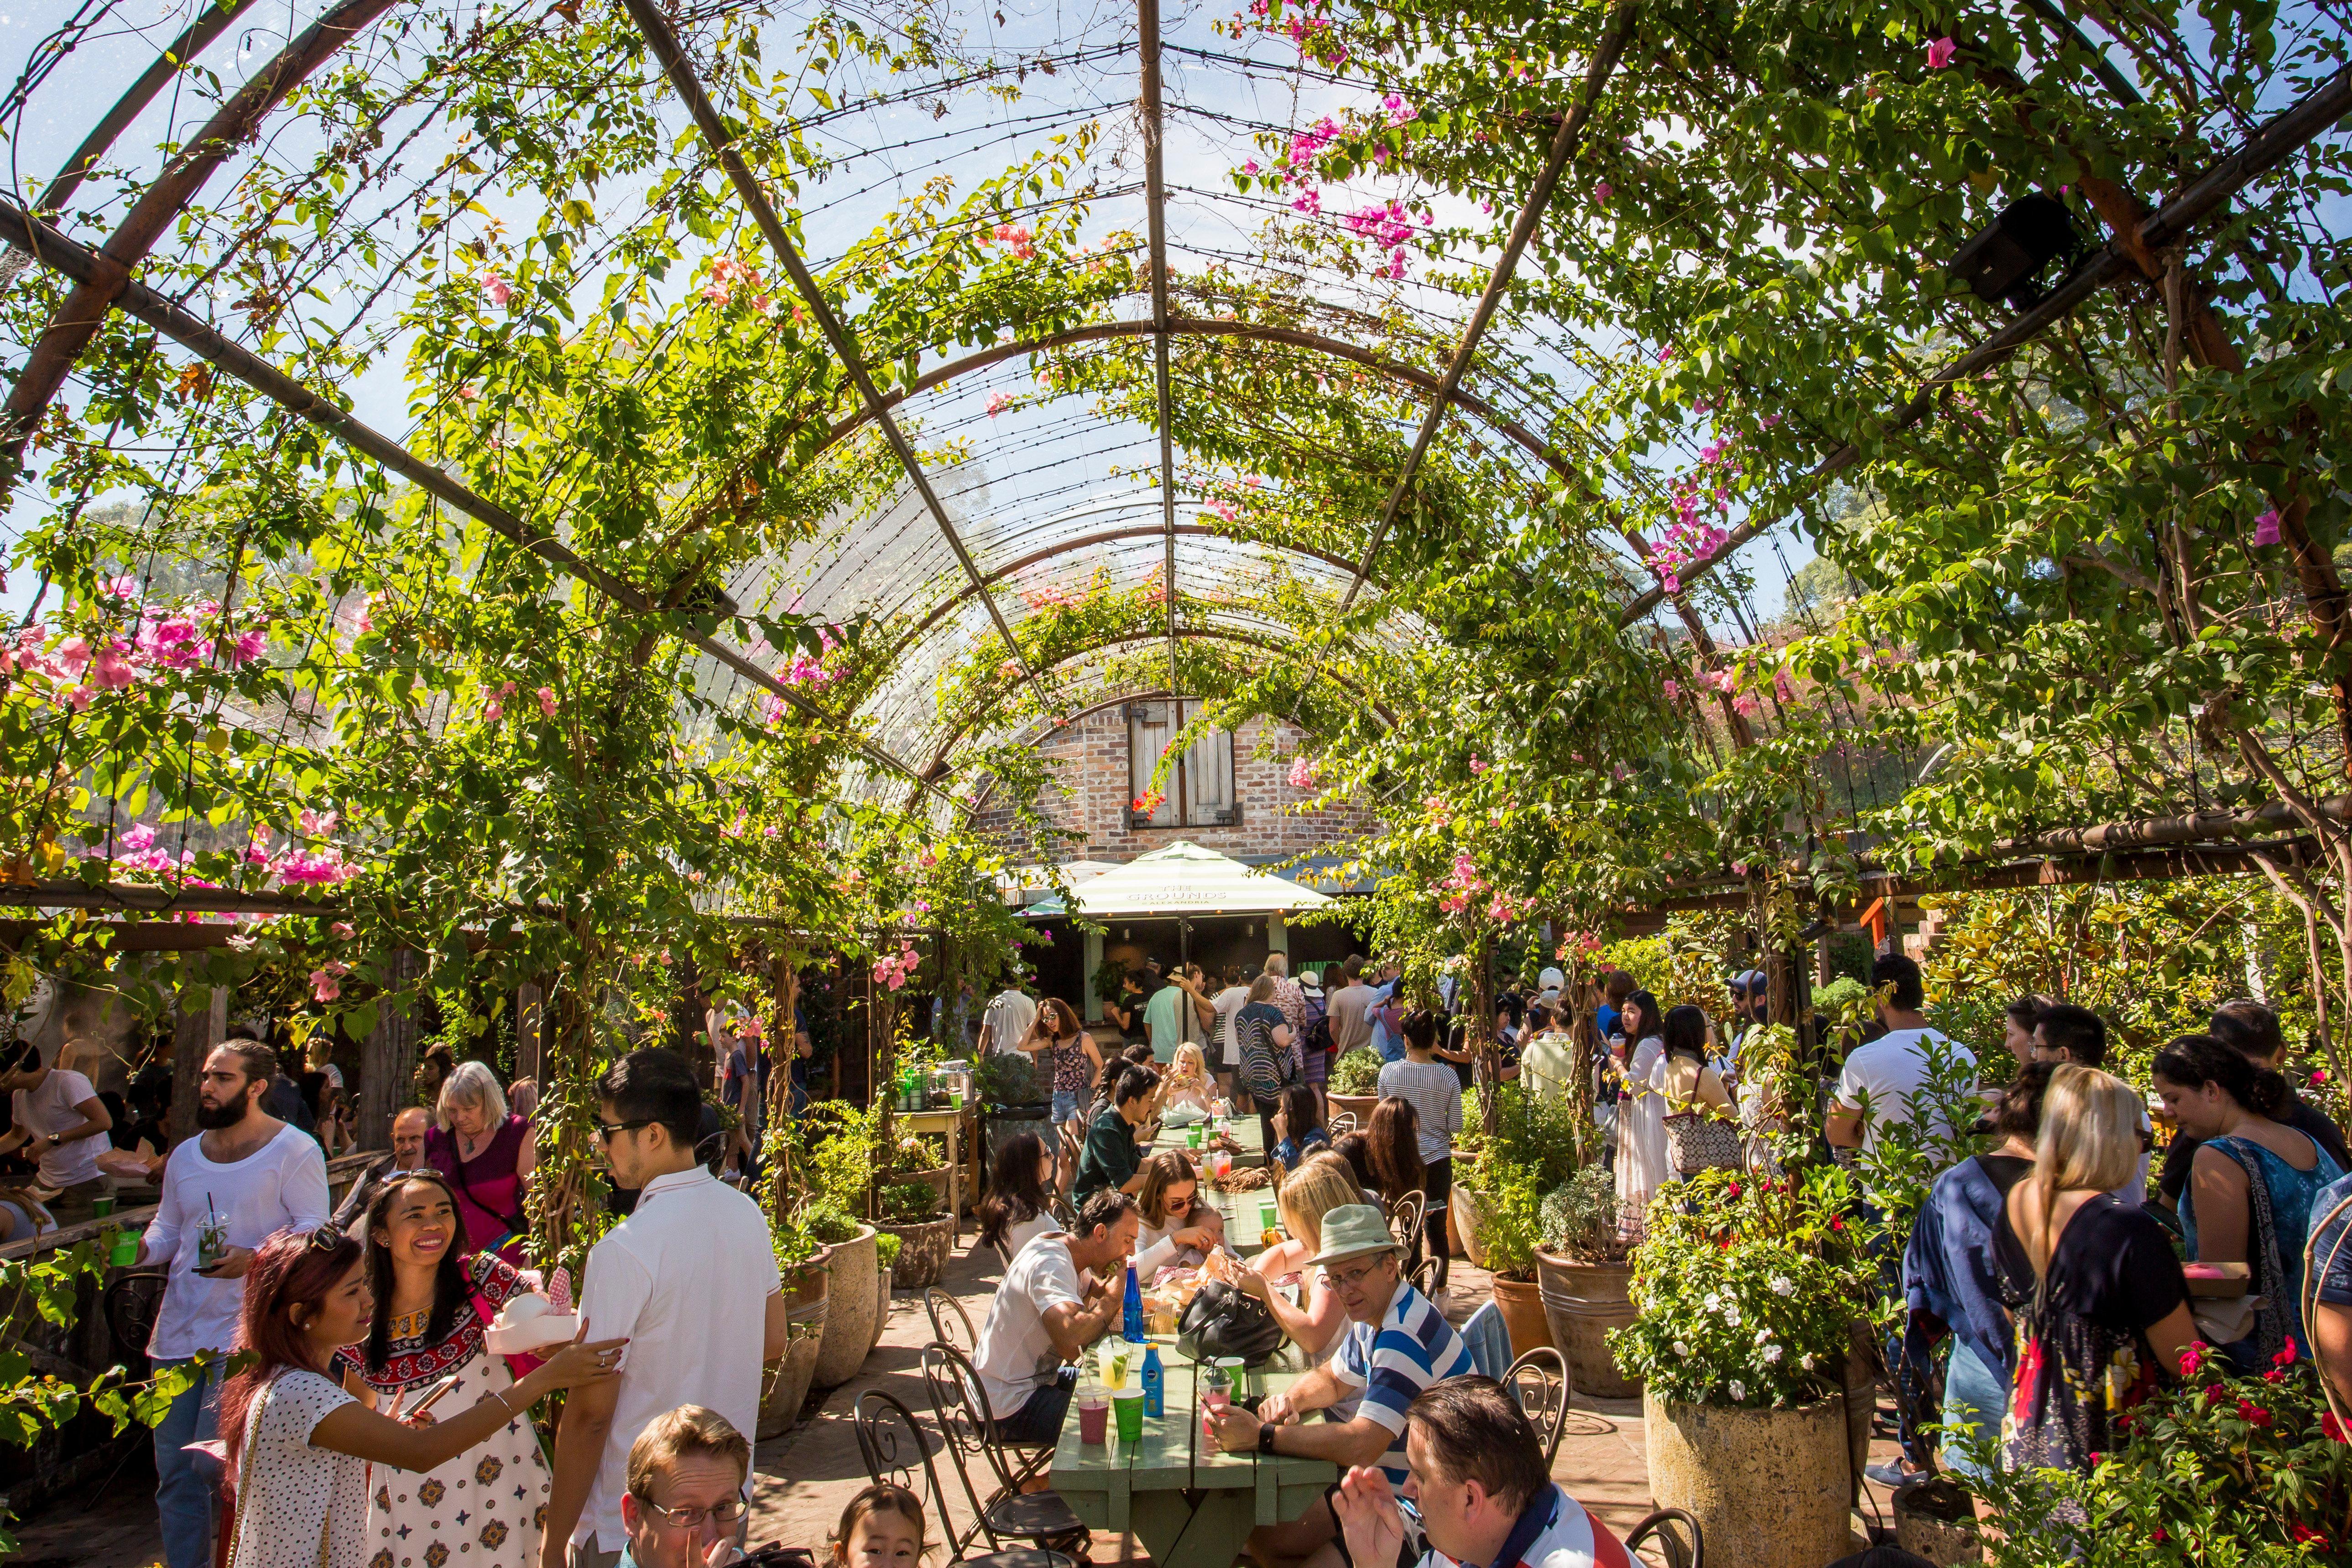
1044 1315
1396 1345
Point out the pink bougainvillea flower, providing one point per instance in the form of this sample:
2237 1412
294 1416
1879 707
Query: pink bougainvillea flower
109 669
468 392
1250 167
547 700
1400 112
496 290
1782 687
493 710
1477 767
72 656
344 929
1940 53
1674 689
1302 773
998 403
125 588
1602 192
1394 271
1309 201
2266 529
1224 509
326 981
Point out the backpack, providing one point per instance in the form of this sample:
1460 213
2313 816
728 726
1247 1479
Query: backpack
1318 1035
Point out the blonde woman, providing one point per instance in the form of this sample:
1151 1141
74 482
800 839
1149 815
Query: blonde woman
1188 1082
1324 1183
2102 1308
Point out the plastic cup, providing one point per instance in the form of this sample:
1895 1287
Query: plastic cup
100 1207
955 1099
1192 1138
1127 1403
1094 1418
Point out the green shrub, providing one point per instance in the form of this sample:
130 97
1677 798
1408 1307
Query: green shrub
1538 1136
1004 1077
910 1202
1509 1218
885 1249
1358 1072
829 1222
1583 1220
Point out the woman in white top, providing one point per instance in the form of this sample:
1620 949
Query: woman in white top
299 1447
1188 1082
1176 1226
1642 1165
1322 1183
1018 1206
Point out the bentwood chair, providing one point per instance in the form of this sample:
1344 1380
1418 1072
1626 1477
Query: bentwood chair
1540 1381
897 1450
1065 1213
1676 1533
968 1433
1405 1217
1340 1125
950 1324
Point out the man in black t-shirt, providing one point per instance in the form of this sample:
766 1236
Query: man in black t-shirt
2252 1031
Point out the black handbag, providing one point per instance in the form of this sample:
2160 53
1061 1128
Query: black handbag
1223 1322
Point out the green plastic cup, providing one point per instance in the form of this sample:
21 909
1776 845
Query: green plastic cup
1127 1405
101 1207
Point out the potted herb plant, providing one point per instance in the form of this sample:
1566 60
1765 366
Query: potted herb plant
1508 1235
915 1214
1355 1084
1586 1280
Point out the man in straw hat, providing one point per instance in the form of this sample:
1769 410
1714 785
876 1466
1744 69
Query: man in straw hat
1396 1345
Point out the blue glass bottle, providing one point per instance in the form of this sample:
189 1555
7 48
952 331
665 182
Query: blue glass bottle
1132 1327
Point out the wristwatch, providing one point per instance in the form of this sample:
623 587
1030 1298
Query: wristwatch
1265 1437
53 1141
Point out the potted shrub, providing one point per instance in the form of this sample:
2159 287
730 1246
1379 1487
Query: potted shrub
807 1266
1740 1336
919 1158
1586 1280
849 1319
1355 1084
914 1213
1506 1234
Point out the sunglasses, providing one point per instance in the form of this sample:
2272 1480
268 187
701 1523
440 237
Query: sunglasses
726 1513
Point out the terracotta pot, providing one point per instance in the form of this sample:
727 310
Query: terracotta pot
1462 1220
881 1306
1362 1104
849 1323
922 1252
785 1383
937 1176
1521 1303
1582 1301
1767 1487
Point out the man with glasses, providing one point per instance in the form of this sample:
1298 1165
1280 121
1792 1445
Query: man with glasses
1397 1344
690 1279
407 1155
685 1507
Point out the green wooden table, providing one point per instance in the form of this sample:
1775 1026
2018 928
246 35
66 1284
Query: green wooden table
1243 1130
1142 1487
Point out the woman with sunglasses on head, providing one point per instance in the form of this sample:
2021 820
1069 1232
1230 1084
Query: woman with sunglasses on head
1061 1046
434 1302
299 1447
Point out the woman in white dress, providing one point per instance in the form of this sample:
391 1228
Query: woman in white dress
1641 1117
434 1302
299 1447
1188 1082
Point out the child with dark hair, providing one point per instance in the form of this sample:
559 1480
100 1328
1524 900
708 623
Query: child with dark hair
2251 1185
1300 1123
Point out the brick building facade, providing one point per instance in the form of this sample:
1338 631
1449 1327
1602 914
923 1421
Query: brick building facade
1092 758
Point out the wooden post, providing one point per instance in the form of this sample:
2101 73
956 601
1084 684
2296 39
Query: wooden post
531 1033
199 1023
388 1057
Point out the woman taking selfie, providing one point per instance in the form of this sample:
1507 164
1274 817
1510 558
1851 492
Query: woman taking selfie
1177 1225
434 1301
299 1447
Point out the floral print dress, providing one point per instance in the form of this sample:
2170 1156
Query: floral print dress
486 1508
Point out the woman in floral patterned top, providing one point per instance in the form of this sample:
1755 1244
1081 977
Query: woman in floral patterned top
487 1508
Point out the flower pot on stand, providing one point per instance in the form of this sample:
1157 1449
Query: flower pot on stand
849 1325
1521 1303
1462 1219
936 1178
922 1252
1581 1302
1767 1487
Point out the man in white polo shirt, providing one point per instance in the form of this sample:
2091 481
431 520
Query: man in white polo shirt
689 1279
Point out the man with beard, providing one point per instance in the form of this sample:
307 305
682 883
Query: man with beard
246 1177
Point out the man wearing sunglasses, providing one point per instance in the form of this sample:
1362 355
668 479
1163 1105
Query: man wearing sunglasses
685 1505
690 1279
1397 1344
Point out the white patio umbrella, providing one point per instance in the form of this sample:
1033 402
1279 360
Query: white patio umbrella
1185 879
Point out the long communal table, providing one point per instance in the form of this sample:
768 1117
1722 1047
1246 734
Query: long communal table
1190 1505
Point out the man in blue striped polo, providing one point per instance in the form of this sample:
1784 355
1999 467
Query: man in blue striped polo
1397 1344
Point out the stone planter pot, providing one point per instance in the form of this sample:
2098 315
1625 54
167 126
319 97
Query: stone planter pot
1936 1520
881 1307
1521 1304
922 1252
937 1177
1362 1104
1581 1302
808 1290
849 1324
1462 1219
1767 1487
784 1384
